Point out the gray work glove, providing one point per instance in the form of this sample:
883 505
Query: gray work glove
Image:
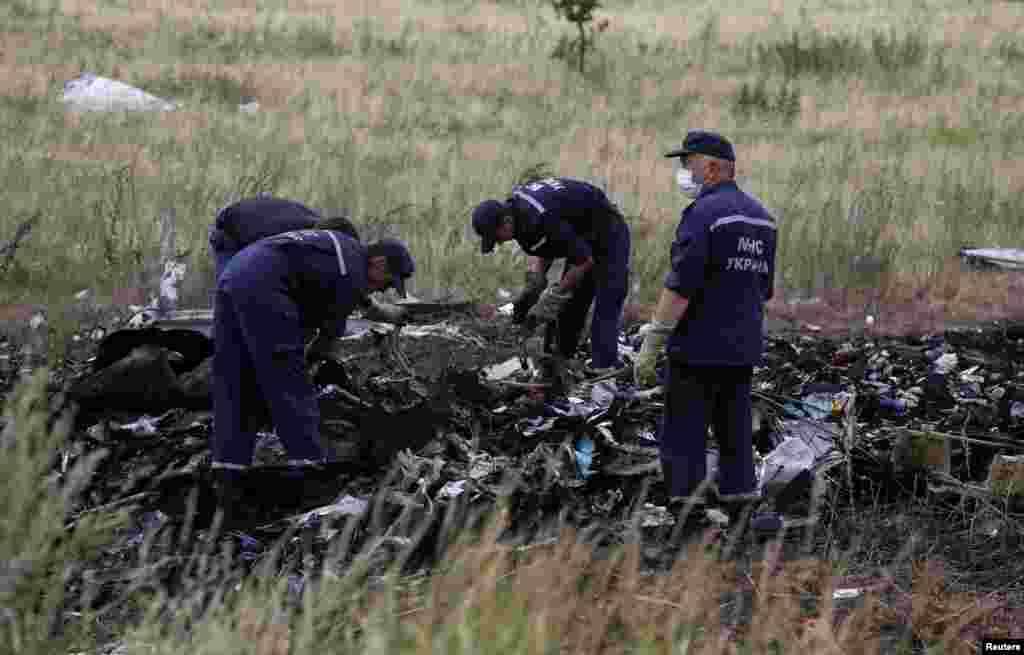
528 297
385 312
550 305
645 369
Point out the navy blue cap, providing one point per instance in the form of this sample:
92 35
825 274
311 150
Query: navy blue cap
703 142
400 262
486 217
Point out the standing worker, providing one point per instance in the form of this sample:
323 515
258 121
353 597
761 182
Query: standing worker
267 296
562 217
711 314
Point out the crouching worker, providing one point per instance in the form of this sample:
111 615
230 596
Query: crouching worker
247 221
267 297
562 217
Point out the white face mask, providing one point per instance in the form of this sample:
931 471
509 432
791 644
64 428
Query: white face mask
687 183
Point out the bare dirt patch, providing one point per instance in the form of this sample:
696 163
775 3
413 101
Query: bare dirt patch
613 143
983 28
182 126
870 111
34 80
127 30
11 42
274 85
489 79
735 29
487 17
482 149
1009 172
106 152
130 29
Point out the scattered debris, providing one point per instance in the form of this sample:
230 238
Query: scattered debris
89 92
993 258
9 249
436 422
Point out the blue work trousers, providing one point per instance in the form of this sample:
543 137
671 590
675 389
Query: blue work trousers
259 366
699 396
606 286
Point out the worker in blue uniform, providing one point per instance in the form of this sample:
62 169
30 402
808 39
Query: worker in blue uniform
267 296
711 316
248 220
560 217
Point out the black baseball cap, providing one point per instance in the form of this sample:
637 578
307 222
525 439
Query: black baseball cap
486 218
703 142
400 262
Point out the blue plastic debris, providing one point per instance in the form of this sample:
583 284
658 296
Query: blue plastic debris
584 452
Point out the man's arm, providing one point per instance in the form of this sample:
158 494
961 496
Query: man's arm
671 307
573 276
578 250
537 264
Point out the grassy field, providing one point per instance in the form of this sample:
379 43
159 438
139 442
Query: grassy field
886 131
884 135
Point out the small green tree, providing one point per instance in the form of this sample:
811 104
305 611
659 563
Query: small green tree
581 14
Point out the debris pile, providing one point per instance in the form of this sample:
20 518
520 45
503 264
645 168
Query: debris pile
440 421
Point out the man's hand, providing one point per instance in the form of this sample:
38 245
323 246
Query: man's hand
528 297
646 366
550 305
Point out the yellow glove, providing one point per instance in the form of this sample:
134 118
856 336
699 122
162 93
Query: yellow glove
646 365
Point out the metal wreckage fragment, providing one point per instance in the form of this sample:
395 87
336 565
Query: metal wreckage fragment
438 423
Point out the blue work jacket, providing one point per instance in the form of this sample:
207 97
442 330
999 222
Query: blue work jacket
252 219
325 281
723 260
563 217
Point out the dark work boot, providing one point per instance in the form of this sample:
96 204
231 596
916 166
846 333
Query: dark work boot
229 494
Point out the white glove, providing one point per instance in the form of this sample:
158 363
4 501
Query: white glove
645 369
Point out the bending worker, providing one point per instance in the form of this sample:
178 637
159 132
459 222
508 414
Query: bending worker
562 217
711 316
246 221
267 296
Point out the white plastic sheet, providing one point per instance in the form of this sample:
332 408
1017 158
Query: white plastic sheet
90 92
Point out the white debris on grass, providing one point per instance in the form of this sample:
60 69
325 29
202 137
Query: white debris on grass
503 370
452 489
90 92
345 505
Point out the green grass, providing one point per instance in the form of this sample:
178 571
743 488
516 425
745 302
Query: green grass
391 136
